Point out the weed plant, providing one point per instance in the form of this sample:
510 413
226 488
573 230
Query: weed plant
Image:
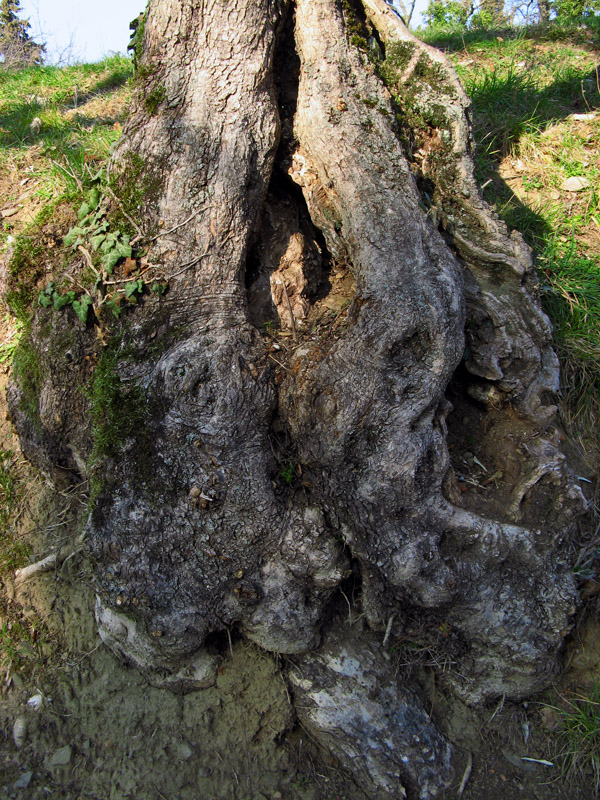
576 740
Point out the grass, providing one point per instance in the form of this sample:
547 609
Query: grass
79 109
13 328
19 647
576 738
528 87
13 550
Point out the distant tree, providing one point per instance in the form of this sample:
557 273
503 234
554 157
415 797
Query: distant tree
574 9
488 14
448 14
404 8
17 48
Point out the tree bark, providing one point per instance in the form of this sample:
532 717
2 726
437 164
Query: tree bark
291 176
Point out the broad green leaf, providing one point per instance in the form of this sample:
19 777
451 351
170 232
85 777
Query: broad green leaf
132 287
110 260
109 242
114 308
44 300
62 300
124 249
72 236
96 241
82 307
94 197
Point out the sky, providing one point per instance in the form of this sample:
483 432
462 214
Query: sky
79 30
87 31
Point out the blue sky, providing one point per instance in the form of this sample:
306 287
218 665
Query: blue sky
80 30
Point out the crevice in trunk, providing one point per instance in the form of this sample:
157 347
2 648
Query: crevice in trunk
289 266
500 468
287 475
294 285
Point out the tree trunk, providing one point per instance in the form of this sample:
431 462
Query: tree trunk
348 381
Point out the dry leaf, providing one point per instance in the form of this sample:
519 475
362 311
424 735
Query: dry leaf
129 266
549 720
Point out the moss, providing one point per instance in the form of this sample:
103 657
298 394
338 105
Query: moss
28 373
430 74
356 29
153 100
397 58
137 188
119 411
136 43
30 256
360 42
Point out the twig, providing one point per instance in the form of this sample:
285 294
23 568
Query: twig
130 278
86 254
499 708
466 775
349 606
289 305
181 224
388 630
185 267
277 362
45 565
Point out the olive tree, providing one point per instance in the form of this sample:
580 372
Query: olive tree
345 391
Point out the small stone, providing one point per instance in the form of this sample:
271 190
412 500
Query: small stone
575 184
9 212
20 732
184 751
24 781
62 757
35 702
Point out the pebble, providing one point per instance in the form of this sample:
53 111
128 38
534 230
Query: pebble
575 184
20 732
62 757
24 781
35 702
184 751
